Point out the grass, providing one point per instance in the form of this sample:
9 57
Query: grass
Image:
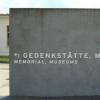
4 59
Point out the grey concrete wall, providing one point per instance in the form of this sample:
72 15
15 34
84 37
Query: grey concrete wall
55 30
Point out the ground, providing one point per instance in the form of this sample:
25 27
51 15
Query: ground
4 79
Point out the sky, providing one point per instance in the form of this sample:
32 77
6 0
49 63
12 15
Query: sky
6 4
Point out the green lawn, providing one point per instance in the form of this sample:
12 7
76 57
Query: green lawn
4 59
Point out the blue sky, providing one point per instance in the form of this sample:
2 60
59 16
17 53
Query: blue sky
6 4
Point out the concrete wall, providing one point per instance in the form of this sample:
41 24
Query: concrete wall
55 30
4 21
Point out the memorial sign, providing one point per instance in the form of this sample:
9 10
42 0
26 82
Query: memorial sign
54 52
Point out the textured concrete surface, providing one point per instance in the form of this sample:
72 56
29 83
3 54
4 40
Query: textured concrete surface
52 98
55 30
4 79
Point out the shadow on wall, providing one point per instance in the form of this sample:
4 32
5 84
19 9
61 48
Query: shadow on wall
51 98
